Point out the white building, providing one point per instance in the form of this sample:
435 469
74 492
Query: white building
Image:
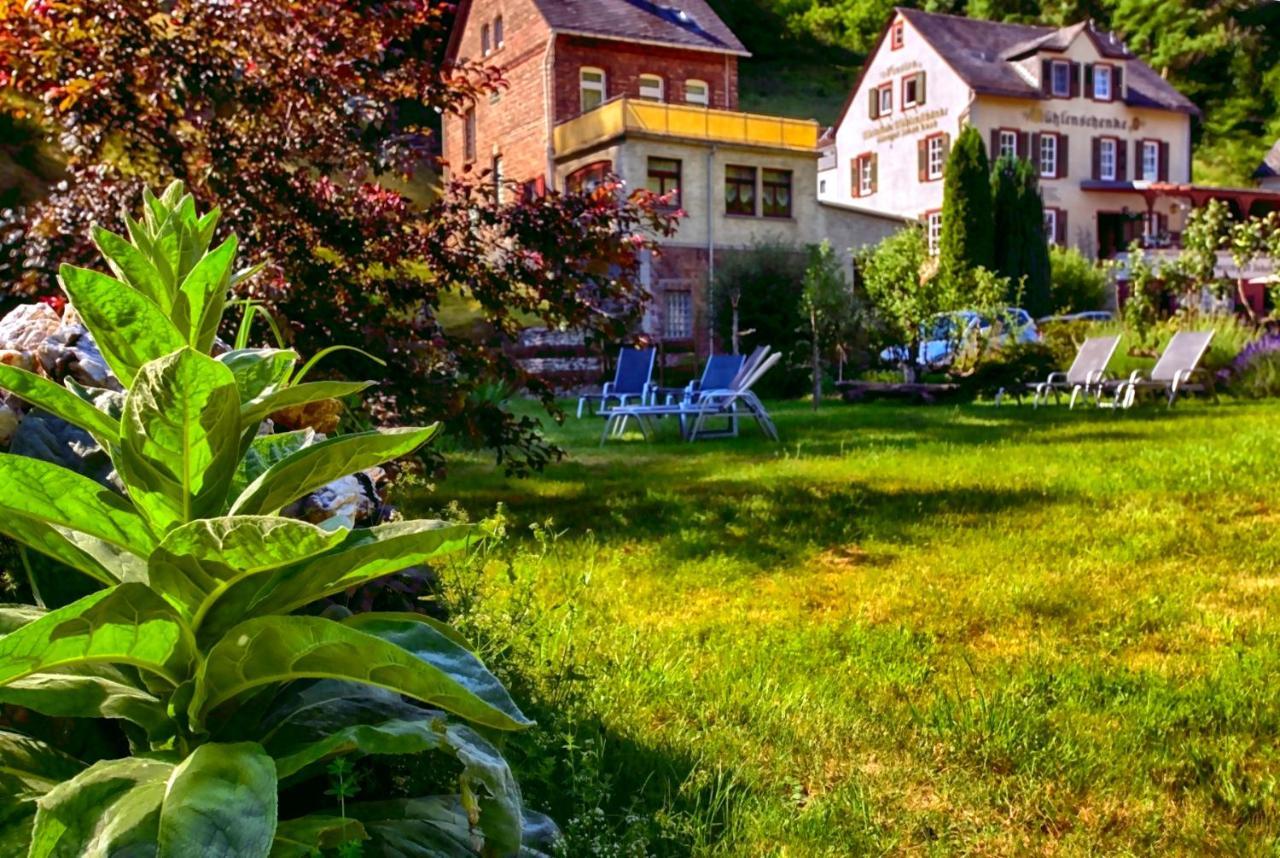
1268 172
1102 127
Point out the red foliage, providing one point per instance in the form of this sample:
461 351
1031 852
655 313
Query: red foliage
293 117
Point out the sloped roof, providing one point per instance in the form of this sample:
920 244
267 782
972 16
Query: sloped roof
679 23
981 53
1270 165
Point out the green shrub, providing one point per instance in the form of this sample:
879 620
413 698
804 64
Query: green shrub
1077 283
1010 367
222 695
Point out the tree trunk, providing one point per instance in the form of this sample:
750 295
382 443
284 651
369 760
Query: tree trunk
1243 298
817 359
734 300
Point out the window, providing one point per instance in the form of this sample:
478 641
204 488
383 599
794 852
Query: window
697 92
591 86
740 190
587 179
935 156
1051 225
1008 144
1150 161
485 49
1107 159
898 35
864 175
499 179
776 193
678 324
1049 156
497 32
664 179
469 134
1060 78
913 90
1102 83
886 99
651 87
933 231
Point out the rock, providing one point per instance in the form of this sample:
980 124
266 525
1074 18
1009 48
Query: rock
52 439
347 502
70 351
9 420
22 360
27 326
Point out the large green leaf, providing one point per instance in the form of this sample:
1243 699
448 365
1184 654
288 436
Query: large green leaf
95 692
308 836
35 766
259 371
196 562
110 810
128 328
263 451
389 737
432 827
60 402
282 649
220 803
14 617
202 294
257 410
180 439
125 624
55 495
54 543
312 467
364 555
133 267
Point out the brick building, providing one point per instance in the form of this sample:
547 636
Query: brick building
647 91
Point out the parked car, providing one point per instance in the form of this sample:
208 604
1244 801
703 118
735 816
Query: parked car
1083 316
946 333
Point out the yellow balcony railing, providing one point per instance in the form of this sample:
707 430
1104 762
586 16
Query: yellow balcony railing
622 116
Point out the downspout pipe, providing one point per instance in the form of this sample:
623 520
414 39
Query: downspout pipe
711 251
549 106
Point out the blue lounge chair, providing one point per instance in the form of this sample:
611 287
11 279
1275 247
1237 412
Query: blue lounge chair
631 381
718 374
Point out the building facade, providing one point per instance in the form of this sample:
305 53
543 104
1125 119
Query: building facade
648 93
1099 125
1268 173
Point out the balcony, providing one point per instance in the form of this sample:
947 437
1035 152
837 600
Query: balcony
627 116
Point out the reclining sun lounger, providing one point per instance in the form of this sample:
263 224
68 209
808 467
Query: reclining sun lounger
1085 375
719 372
631 381
1174 373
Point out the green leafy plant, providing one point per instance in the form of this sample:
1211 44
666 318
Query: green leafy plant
190 645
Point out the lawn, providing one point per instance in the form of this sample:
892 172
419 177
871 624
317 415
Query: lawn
931 630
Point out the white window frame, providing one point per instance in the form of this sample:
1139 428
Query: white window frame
1049 151
935 157
933 232
885 95
1151 158
1101 73
585 86
691 95
1108 146
1010 138
1053 78
652 88
865 186
677 322
1051 225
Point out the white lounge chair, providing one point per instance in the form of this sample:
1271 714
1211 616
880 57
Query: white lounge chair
1175 372
1085 375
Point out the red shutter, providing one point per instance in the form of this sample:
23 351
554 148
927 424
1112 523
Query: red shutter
946 152
1097 158
1061 222
1063 156
1075 80
920 88
922 157
994 151
1117 83
1088 80
853 172
1162 169
873 103
875 172
1033 155
1024 145
1122 168
1046 76
1137 160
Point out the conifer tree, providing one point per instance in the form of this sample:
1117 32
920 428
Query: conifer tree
967 225
1021 251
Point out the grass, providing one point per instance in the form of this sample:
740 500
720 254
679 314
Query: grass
916 630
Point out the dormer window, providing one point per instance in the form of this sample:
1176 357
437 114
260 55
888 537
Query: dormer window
1102 83
697 92
591 87
1060 78
651 87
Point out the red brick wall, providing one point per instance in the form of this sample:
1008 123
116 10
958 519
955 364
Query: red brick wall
514 122
623 64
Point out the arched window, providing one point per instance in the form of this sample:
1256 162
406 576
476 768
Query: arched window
651 87
591 85
697 92
485 47
585 179
497 32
